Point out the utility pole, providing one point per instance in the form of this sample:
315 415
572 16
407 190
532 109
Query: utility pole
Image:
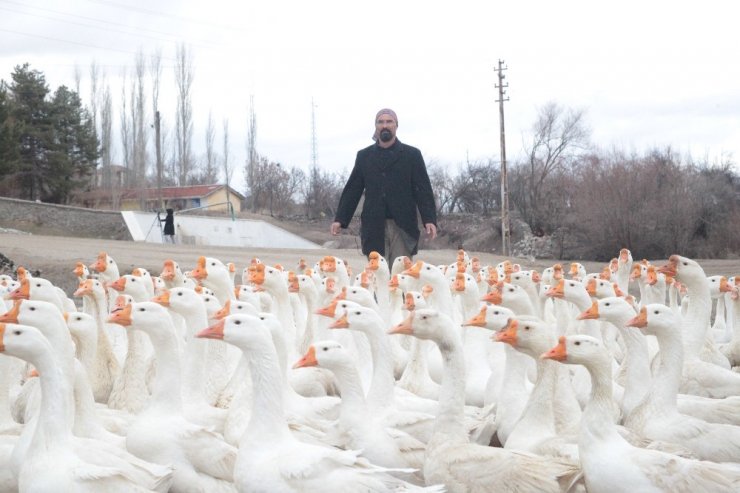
158 146
505 230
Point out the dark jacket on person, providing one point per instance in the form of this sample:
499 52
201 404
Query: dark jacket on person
169 223
396 183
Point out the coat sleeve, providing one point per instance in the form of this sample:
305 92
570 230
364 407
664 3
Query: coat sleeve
422 190
350 195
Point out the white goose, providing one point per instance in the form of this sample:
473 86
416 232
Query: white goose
453 461
359 427
270 458
657 417
610 464
160 433
699 377
56 460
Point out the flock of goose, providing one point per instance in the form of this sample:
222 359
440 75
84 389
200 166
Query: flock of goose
405 377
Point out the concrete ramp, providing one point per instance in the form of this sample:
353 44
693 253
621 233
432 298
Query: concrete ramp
211 231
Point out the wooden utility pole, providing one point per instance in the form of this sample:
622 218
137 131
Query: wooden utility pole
158 146
505 230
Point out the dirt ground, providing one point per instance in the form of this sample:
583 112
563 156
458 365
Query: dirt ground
55 256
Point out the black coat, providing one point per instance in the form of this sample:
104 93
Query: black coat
394 186
169 224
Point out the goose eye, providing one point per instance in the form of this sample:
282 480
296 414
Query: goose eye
357 313
142 309
607 304
262 318
17 332
239 307
38 285
237 322
526 327
326 348
656 312
179 294
33 308
578 343
213 264
685 263
133 279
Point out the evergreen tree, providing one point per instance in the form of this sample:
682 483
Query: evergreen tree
30 118
74 150
8 148
51 143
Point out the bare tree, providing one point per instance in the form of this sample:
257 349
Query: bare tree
559 135
226 165
106 135
210 171
184 75
125 128
77 75
252 157
138 117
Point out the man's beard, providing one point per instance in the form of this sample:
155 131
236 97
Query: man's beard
385 135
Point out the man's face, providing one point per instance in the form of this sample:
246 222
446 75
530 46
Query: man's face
386 127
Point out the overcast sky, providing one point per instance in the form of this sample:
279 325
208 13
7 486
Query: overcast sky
647 73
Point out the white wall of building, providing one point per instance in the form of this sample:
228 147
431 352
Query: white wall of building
199 230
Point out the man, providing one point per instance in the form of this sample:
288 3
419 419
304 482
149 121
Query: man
394 178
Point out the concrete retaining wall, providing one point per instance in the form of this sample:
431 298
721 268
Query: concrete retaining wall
62 220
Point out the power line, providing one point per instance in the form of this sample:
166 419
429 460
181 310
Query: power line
88 45
129 8
136 30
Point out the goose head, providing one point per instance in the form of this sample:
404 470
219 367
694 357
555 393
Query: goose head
359 318
578 349
428 324
326 354
491 317
718 285
528 335
414 300
377 263
685 270
23 341
131 285
81 271
147 316
612 309
655 319
247 332
105 266
81 325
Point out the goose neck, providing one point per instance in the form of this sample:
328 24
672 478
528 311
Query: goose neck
268 418
449 423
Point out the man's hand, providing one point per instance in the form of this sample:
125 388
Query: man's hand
335 227
431 230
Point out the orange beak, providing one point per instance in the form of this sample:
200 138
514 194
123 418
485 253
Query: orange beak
508 335
23 292
558 353
84 288
557 291
121 317
11 316
200 272
393 283
640 320
410 304
215 331
79 269
119 284
670 268
224 312
309 359
479 320
100 264
163 299
590 314
493 296
415 270
591 287
724 285
329 310
405 327
341 323
168 272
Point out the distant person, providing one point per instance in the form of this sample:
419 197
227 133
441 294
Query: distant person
169 227
394 178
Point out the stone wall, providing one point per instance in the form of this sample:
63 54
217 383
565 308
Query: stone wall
61 220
